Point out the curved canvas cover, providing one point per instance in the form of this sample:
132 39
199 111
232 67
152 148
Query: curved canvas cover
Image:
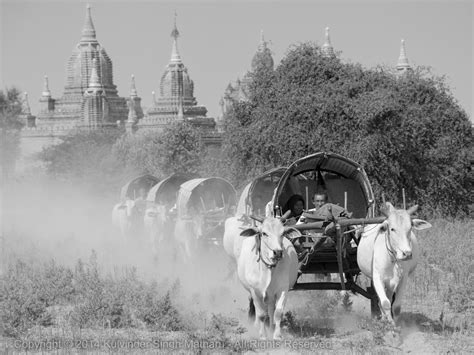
166 191
205 195
331 173
259 192
130 190
242 206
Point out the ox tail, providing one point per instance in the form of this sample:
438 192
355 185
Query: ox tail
251 310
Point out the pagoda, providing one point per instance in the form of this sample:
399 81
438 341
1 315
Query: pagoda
176 101
90 98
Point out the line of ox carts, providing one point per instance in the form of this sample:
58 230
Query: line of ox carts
343 237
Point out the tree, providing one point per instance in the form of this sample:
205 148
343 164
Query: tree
406 131
85 158
178 148
10 125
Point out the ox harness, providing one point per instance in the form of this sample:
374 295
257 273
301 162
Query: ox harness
258 251
388 245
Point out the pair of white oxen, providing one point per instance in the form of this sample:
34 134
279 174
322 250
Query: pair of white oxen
267 263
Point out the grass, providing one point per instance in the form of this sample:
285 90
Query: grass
442 286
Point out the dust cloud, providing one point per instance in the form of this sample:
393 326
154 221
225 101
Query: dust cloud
46 220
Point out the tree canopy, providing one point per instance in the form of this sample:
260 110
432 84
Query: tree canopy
104 159
10 126
178 148
407 131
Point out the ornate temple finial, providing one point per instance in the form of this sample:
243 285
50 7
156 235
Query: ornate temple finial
175 57
133 89
26 105
46 92
402 64
153 97
88 32
94 81
327 49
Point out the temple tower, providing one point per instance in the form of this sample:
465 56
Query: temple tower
402 65
88 56
176 101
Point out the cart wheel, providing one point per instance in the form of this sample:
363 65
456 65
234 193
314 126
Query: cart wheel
374 302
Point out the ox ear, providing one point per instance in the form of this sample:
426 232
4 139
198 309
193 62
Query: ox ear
250 232
420 224
383 227
291 233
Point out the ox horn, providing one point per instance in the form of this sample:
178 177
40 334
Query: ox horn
386 208
412 209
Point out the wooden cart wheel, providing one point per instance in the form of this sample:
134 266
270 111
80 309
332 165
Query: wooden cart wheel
374 302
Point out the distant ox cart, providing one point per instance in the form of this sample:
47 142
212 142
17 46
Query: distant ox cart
203 205
138 186
127 215
160 215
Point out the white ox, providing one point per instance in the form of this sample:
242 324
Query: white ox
122 216
156 224
267 267
388 254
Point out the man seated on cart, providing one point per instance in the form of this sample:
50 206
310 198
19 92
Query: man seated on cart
323 211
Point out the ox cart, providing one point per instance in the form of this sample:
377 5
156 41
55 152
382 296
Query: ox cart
329 244
208 202
127 215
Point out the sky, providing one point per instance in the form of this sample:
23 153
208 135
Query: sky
219 38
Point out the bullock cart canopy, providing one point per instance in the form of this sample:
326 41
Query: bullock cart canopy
165 192
131 189
259 191
342 179
205 196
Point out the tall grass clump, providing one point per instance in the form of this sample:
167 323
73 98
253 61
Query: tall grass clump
442 286
33 295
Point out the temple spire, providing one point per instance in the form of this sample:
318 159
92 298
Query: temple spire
263 44
153 97
403 64
94 81
46 92
133 89
175 57
88 32
327 49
